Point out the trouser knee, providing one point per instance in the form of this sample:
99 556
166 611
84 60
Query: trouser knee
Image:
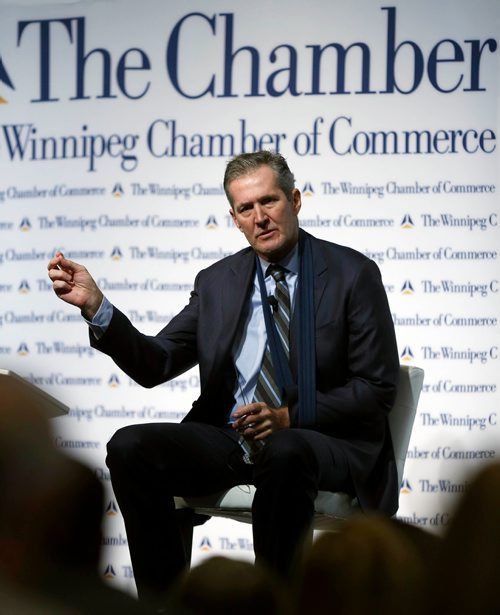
123 447
287 456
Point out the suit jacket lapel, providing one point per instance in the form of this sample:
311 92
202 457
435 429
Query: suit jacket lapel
235 297
234 304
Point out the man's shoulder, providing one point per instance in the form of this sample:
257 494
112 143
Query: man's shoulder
338 253
232 262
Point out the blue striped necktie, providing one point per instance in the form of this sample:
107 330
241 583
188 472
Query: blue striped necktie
267 389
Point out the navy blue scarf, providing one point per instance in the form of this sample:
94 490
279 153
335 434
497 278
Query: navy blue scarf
306 340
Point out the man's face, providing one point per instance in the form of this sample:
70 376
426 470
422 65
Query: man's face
263 213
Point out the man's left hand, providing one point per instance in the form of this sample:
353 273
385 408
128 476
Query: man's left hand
256 421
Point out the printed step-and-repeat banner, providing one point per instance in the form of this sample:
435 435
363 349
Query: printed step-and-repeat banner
116 121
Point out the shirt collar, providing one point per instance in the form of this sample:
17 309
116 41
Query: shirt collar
290 262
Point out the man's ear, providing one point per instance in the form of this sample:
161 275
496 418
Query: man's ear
233 216
296 201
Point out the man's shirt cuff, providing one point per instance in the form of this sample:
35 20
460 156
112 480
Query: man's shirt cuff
99 324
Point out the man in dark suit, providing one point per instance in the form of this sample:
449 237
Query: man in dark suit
340 441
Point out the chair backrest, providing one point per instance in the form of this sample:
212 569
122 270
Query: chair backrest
403 413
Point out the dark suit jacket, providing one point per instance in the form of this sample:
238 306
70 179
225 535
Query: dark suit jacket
356 356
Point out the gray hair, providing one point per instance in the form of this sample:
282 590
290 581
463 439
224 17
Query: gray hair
244 164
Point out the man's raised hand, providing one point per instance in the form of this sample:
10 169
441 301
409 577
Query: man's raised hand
74 284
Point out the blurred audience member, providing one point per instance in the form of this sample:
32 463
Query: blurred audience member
426 542
368 566
50 517
465 577
222 586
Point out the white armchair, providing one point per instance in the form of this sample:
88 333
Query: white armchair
236 503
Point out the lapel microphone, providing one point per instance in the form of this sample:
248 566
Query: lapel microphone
273 302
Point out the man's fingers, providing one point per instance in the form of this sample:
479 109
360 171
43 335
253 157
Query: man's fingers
61 287
263 434
255 425
246 423
260 431
253 408
65 263
60 262
242 411
250 419
60 275
55 260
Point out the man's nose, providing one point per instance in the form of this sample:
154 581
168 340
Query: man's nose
260 215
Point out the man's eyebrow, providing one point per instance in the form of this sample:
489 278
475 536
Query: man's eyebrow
243 204
265 197
269 195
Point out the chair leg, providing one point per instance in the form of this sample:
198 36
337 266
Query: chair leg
187 519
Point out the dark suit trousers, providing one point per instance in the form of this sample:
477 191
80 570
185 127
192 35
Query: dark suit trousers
151 463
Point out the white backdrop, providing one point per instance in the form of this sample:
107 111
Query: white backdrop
116 121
